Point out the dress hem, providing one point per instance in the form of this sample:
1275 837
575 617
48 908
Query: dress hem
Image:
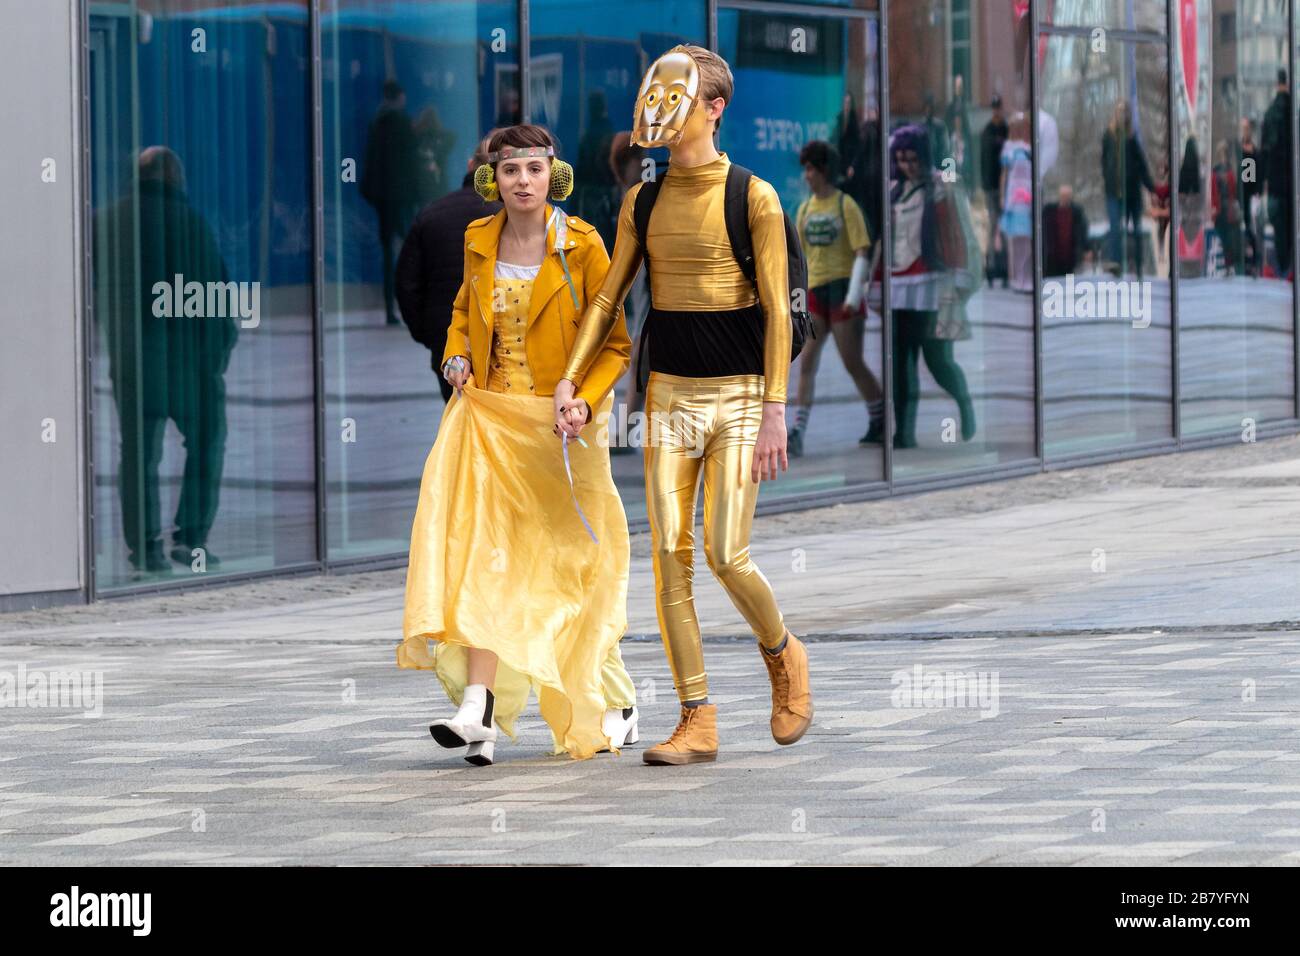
407 659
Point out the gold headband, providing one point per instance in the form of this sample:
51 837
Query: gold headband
520 152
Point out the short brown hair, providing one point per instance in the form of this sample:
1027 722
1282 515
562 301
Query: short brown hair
821 156
482 149
715 75
526 134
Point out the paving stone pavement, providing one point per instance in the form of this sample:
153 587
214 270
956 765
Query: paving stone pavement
1129 748
1146 708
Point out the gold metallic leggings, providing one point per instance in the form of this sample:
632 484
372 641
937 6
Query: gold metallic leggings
704 425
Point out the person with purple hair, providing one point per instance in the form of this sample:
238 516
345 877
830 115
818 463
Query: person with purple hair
930 279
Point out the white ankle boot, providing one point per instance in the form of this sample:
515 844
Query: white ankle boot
471 726
620 729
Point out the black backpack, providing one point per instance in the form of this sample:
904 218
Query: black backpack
736 213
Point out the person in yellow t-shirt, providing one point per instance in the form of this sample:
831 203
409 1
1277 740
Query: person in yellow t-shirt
835 241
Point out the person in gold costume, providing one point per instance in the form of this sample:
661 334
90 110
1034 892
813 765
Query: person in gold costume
518 572
719 356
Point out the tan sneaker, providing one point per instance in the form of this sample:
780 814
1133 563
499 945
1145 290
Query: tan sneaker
694 741
792 706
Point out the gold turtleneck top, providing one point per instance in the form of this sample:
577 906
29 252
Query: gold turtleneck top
693 268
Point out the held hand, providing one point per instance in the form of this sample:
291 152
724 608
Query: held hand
574 415
563 399
571 419
457 374
571 413
769 451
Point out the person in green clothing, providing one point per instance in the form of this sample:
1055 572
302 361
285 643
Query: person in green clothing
163 369
835 241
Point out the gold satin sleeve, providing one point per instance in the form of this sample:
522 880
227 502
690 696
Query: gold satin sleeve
767 226
615 352
603 310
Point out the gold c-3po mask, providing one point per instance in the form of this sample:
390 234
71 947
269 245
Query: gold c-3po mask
669 95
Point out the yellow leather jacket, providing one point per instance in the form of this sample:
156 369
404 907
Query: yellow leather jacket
552 319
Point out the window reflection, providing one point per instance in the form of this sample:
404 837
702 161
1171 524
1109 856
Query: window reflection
806 117
960 261
201 276
409 90
1235 251
1146 15
1104 134
203 420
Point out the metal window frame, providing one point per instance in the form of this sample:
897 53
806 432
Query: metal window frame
886 244
1291 40
85 373
1175 223
525 61
90 589
1036 214
317 108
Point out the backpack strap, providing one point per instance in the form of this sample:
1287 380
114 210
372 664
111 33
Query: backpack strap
735 211
641 209
642 206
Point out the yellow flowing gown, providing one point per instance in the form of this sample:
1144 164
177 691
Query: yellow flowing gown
501 560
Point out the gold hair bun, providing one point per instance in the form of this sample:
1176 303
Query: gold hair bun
561 180
485 183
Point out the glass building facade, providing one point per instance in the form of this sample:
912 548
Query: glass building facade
1106 230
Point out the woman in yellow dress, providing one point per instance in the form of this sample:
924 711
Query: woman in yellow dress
519 552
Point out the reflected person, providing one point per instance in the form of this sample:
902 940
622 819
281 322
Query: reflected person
1016 228
432 263
833 233
992 138
163 368
930 252
1276 147
1065 234
1225 207
1249 187
1124 173
390 179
